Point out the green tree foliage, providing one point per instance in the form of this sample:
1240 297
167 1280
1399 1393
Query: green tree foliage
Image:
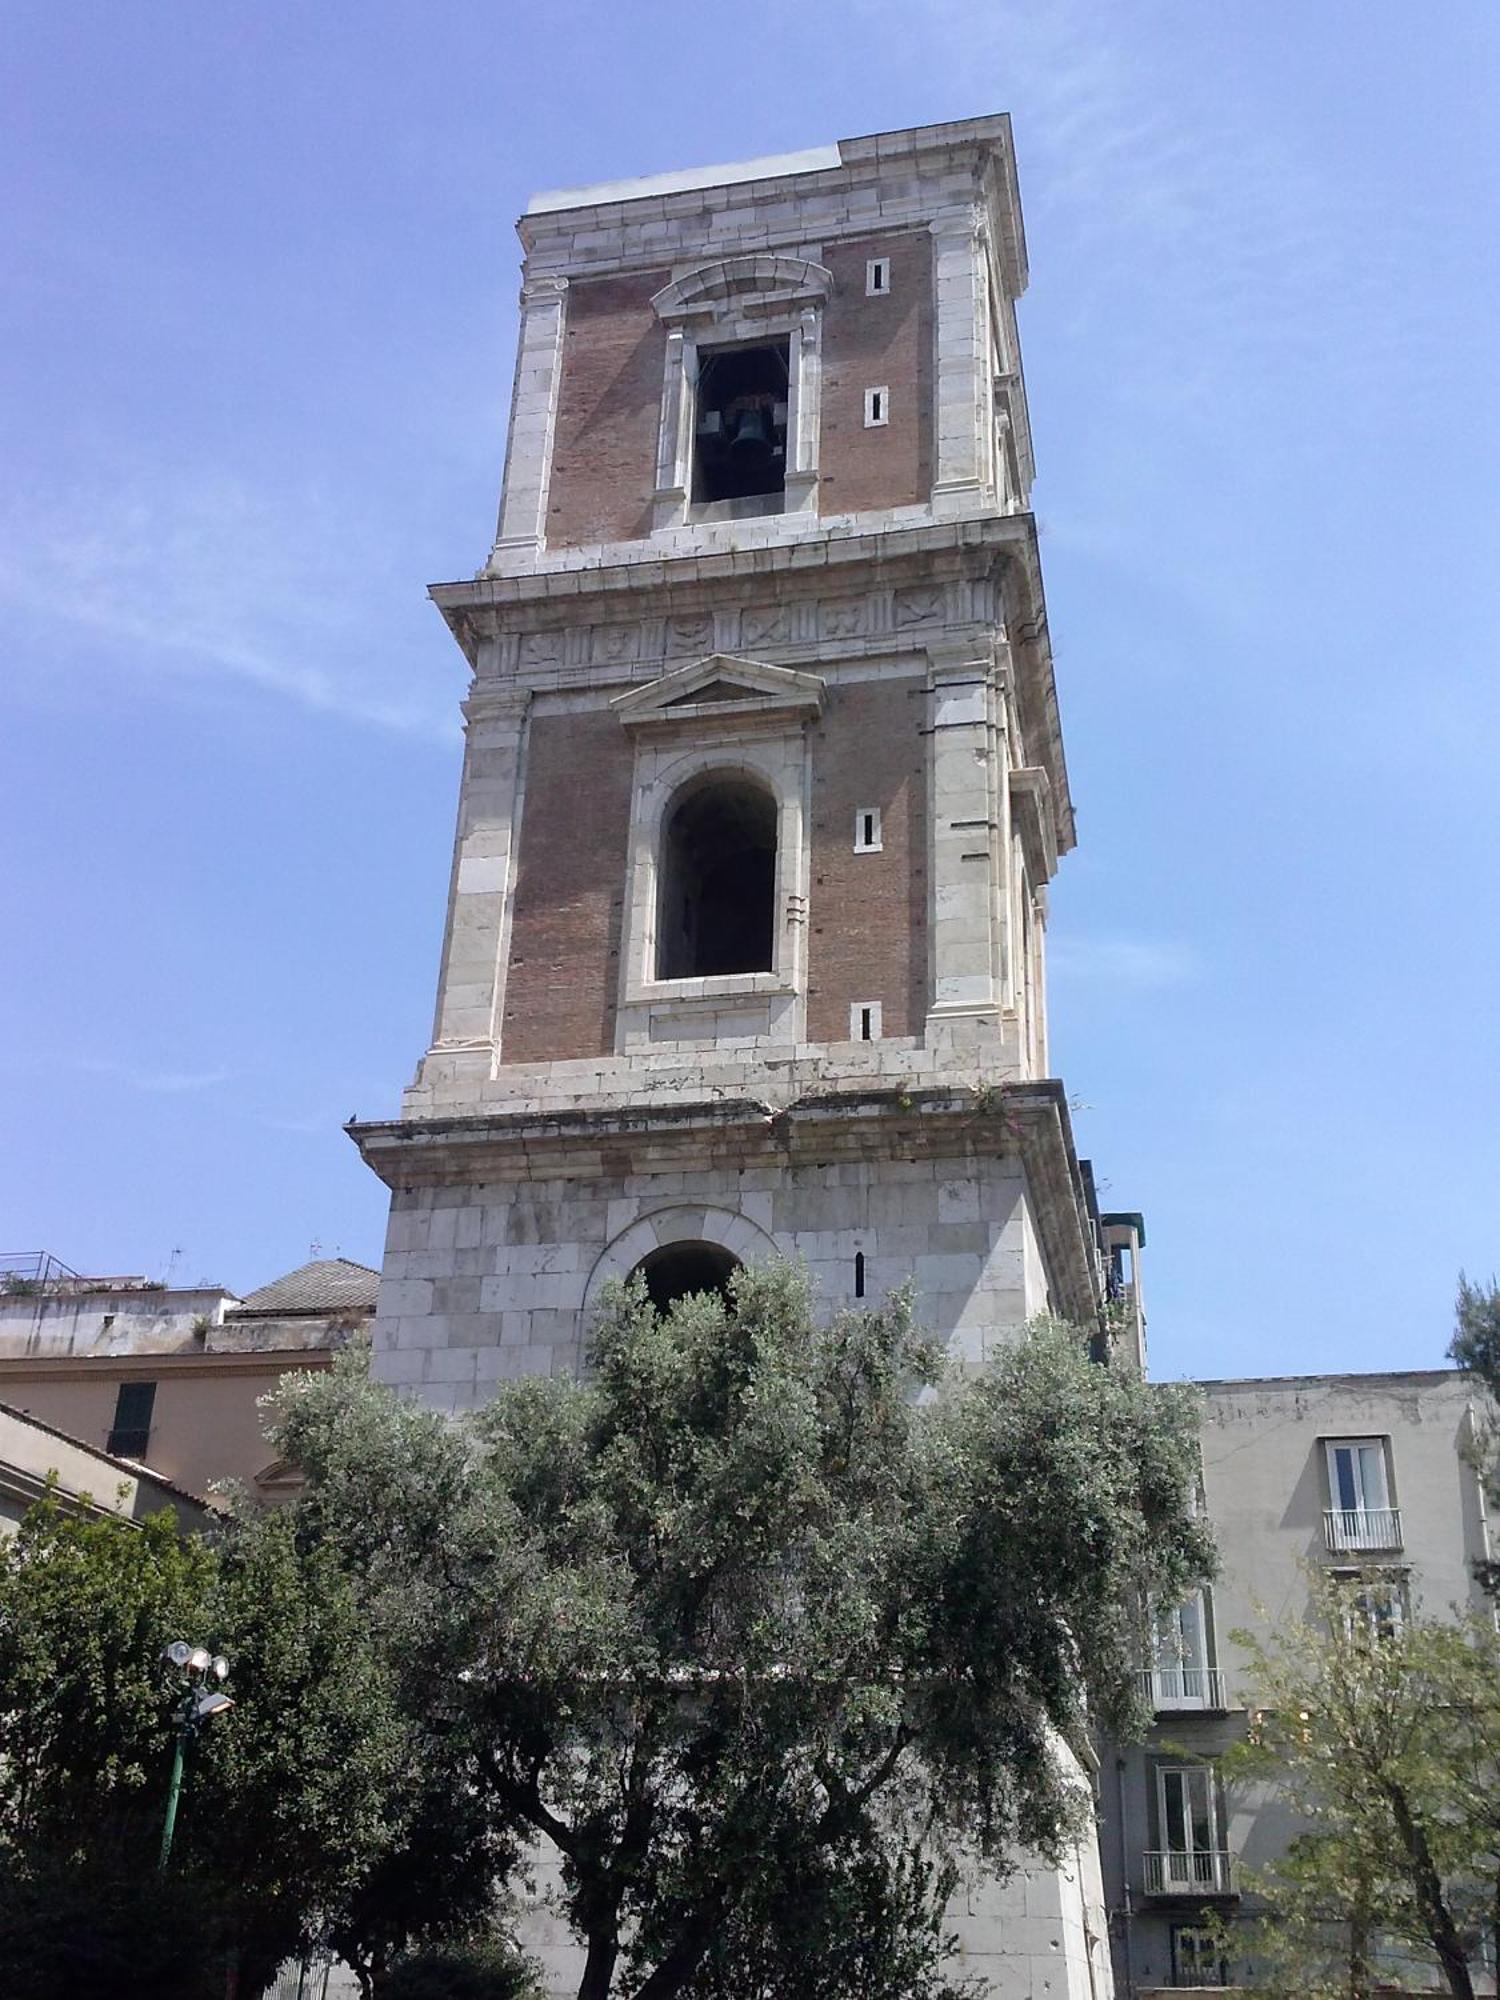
310 1809
748 1641
85 1609
481 1969
1386 1746
1476 1347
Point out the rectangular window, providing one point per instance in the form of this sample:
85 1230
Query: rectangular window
877 408
1360 1514
864 1021
1183 1671
1187 1812
131 1431
1376 1606
877 277
867 830
1197 1957
739 431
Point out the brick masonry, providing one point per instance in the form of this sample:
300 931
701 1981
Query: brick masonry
609 409
570 888
868 912
871 343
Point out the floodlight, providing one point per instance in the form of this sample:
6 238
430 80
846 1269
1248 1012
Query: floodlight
178 1653
199 1658
220 1667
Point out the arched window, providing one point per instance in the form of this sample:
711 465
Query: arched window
718 880
678 1269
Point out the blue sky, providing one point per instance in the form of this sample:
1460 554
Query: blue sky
253 401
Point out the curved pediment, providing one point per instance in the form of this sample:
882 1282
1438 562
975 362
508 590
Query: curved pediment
759 280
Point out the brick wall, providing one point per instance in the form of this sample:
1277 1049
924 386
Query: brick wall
869 343
570 888
608 412
868 912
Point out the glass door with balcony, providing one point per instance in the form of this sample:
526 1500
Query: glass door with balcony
1360 1514
1182 1671
1190 1860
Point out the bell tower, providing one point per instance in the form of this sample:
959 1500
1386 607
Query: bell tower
763 781
763 788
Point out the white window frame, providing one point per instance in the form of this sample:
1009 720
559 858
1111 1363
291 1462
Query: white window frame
858 1010
877 407
1189 1777
1215 1951
1183 1670
867 841
1375 1606
1361 1514
878 278
724 303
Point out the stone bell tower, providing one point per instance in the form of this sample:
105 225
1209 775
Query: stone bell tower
763 788
763 782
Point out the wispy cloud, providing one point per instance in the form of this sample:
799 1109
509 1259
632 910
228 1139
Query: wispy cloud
199 581
1199 249
157 1082
1126 964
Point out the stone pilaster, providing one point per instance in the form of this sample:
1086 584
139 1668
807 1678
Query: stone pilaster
967 839
963 363
528 455
471 987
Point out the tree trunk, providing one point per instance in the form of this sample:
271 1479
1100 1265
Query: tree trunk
1359 1945
1442 1932
679 1964
599 1966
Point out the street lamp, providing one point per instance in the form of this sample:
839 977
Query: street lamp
201 1699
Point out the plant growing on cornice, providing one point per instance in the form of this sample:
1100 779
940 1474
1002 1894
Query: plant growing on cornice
757 1647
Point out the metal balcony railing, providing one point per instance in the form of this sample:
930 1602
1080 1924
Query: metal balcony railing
1362 1527
1203 1872
1182 1687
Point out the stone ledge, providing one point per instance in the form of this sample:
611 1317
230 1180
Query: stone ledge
1026 1120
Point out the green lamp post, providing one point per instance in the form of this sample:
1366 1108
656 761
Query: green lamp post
201 1700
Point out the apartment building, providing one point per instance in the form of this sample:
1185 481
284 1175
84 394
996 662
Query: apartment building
170 1377
1363 1476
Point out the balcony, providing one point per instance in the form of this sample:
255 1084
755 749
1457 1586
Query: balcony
1183 1688
1362 1528
1204 1872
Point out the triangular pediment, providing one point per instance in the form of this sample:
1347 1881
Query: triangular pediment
721 686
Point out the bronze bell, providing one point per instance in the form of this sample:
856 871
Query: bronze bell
752 435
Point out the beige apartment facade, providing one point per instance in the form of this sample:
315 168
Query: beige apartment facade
1365 1477
171 1378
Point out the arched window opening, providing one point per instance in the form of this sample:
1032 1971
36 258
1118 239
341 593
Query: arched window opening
718 882
677 1270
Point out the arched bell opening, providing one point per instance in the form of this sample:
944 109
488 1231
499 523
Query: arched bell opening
677 1270
718 880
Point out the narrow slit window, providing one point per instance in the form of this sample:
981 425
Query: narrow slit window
877 408
877 277
867 830
864 1021
859 1274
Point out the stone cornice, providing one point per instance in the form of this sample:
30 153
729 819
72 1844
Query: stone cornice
1029 1121
119 1367
592 590
489 613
